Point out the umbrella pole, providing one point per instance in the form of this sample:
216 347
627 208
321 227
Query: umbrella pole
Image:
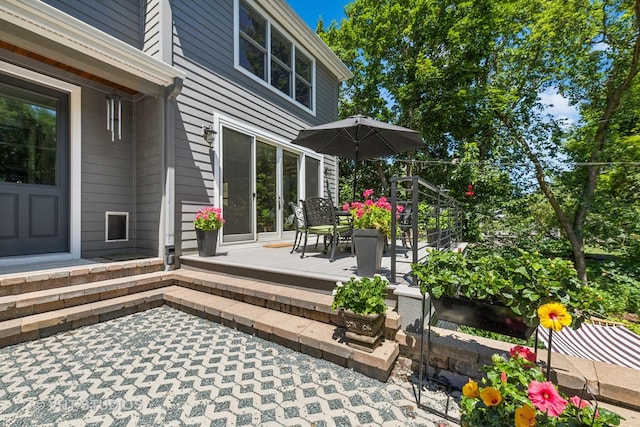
355 179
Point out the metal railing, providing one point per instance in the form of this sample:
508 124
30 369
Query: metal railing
432 220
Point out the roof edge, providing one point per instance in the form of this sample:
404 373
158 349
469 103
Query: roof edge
55 25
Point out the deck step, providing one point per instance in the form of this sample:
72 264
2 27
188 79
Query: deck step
308 304
28 303
14 284
318 339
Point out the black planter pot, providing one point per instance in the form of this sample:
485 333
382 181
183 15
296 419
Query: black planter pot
207 242
483 315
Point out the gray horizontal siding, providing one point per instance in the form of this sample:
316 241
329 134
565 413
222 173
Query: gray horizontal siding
151 31
118 18
148 176
107 175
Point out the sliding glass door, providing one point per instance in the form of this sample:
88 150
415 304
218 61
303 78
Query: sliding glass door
258 182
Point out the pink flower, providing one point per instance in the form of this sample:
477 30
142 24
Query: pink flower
524 352
578 402
581 403
503 377
546 398
367 193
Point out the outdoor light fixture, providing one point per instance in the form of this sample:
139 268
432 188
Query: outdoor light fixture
209 134
114 115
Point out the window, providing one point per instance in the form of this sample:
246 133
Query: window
253 42
270 56
312 177
28 132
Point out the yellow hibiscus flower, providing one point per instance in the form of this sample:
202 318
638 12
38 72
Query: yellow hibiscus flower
470 389
491 396
554 316
525 416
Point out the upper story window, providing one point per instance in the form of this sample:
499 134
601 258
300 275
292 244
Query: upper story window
269 55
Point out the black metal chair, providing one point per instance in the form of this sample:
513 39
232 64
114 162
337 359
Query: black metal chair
321 220
300 223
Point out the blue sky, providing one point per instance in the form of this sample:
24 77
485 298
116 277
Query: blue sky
311 10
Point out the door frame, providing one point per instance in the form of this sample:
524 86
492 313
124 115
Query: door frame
75 149
260 135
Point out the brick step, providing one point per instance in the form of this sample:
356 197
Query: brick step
308 304
316 338
45 324
14 284
28 303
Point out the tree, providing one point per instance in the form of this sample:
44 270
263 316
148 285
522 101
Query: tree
462 72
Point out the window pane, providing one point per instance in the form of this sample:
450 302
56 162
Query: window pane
27 137
266 187
253 25
280 47
303 66
312 177
303 93
252 58
289 186
280 78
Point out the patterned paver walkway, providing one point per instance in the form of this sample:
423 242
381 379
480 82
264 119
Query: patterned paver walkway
164 367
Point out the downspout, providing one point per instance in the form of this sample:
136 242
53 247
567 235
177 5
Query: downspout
168 138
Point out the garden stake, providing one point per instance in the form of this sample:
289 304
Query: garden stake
549 353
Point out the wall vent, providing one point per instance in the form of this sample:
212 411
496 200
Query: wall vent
116 226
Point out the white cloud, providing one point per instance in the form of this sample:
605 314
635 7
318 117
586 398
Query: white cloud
558 106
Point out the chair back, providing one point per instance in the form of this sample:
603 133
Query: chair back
319 211
298 212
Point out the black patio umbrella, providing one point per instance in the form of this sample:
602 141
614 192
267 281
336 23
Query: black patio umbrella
359 138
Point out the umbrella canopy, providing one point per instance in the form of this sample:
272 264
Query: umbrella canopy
359 138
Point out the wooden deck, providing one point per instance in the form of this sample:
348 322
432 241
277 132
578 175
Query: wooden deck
273 261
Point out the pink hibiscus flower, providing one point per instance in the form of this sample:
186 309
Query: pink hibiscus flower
546 398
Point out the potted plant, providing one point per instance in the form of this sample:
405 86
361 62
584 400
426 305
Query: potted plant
501 294
371 225
207 223
361 301
516 392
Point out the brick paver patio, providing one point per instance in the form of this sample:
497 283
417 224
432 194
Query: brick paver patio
164 367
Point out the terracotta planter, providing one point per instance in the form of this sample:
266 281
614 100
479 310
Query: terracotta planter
483 315
364 332
207 242
369 247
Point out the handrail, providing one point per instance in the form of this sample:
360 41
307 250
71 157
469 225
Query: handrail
445 215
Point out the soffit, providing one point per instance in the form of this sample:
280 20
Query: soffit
47 32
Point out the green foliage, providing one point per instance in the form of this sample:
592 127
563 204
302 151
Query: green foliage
619 282
363 295
522 282
475 79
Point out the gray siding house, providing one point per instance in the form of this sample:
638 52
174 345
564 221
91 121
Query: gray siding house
120 119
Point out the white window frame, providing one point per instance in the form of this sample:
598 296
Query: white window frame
267 83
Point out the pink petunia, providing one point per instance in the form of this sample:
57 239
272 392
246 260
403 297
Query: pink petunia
545 397
367 193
